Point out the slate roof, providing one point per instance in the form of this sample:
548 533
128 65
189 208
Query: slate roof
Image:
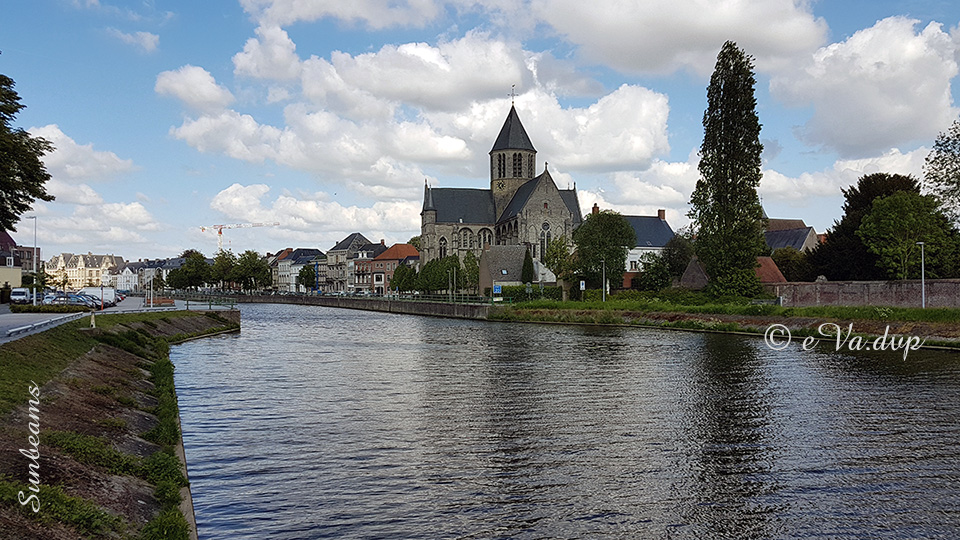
777 224
651 231
569 197
346 243
512 135
520 198
373 249
6 241
794 238
469 205
509 258
304 252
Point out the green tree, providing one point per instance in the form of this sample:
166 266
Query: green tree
195 270
941 170
404 279
894 226
307 277
654 273
526 272
22 172
793 264
558 258
224 267
415 242
471 272
725 208
253 272
177 279
843 256
603 239
677 252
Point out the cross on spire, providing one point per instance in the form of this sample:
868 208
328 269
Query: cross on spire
513 93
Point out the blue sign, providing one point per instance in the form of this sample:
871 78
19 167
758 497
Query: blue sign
497 289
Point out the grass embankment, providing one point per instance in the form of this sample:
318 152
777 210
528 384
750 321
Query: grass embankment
109 423
696 312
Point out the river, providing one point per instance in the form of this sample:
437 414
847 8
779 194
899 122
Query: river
330 423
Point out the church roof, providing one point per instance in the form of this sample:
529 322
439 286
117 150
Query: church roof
520 198
651 231
464 205
782 238
512 135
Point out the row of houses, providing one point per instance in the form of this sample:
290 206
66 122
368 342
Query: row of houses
354 264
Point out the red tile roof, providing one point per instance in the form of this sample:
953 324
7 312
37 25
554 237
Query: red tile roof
398 252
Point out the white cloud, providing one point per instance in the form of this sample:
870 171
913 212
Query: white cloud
195 87
272 55
144 40
316 215
843 174
884 86
374 13
68 193
665 35
72 162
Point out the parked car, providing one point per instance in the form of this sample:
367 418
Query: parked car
72 300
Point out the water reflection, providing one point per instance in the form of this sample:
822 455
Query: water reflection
318 423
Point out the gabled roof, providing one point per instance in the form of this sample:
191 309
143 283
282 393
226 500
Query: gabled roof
777 224
398 252
505 258
520 198
303 252
373 249
570 198
351 242
768 271
6 241
512 135
651 231
794 238
454 205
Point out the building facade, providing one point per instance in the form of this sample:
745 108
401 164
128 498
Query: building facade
520 207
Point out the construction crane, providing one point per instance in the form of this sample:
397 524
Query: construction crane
220 228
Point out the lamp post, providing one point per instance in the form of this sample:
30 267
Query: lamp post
34 218
923 279
603 284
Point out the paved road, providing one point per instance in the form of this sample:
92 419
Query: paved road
9 321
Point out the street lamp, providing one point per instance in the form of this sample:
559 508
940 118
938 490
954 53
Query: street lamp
603 284
923 279
34 218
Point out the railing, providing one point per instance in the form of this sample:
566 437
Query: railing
56 321
214 300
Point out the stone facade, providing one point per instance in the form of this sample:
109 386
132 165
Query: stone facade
519 208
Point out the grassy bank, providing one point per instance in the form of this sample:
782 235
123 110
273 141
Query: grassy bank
108 417
939 327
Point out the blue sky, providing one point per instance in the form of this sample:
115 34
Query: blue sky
328 116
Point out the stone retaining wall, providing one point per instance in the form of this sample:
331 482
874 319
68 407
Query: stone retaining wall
409 307
939 293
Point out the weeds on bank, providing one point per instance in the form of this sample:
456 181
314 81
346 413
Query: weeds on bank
58 507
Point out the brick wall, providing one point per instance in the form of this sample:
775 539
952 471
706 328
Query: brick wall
939 292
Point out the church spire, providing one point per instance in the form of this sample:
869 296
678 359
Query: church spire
512 135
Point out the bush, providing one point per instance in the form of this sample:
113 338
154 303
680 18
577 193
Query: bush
27 308
519 293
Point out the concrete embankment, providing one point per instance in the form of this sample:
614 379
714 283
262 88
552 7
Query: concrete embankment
409 307
104 406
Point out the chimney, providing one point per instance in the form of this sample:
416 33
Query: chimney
596 209
381 242
662 214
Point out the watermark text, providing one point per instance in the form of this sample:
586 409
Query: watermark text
778 338
33 454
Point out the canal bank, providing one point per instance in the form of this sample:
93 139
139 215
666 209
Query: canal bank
101 406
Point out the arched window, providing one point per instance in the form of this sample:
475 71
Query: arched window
517 165
443 247
466 239
501 165
485 237
543 244
530 167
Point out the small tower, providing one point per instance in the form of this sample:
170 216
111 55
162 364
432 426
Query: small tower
513 161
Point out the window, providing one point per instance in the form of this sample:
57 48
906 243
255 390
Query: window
517 165
443 247
543 244
530 165
485 237
501 165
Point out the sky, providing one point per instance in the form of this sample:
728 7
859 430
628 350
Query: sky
327 117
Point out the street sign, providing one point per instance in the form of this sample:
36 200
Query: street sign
497 289
583 285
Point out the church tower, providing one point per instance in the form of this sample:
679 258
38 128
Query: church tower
513 161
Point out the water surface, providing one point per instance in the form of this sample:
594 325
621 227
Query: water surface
325 423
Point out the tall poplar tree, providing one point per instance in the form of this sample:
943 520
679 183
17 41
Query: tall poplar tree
725 207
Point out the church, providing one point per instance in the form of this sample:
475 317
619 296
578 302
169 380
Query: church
520 207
